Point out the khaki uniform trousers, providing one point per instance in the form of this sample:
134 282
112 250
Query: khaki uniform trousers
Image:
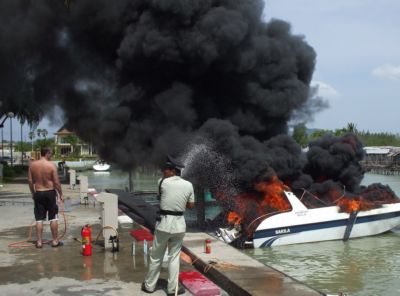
160 243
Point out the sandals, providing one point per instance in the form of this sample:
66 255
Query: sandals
40 245
59 244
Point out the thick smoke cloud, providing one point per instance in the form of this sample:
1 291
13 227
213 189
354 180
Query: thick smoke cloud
208 80
139 78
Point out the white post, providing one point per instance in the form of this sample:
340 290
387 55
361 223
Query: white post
72 178
83 189
109 216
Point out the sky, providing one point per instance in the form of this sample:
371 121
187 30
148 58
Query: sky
358 62
358 58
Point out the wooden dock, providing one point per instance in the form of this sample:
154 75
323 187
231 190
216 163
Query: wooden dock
382 169
232 270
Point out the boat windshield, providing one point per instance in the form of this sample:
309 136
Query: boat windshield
311 201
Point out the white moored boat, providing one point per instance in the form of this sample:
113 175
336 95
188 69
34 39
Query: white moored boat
101 166
304 225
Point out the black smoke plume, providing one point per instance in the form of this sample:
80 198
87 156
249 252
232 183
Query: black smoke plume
139 78
205 79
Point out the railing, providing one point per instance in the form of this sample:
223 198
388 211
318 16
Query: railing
386 167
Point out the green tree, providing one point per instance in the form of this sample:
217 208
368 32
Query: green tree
39 132
40 143
300 134
31 136
73 140
379 139
24 145
366 137
352 128
319 133
44 133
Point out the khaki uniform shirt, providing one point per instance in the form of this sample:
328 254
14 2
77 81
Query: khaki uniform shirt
175 194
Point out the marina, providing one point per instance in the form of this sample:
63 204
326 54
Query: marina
224 264
325 266
363 266
212 148
123 270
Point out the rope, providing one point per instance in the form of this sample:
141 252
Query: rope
101 231
214 263
218 264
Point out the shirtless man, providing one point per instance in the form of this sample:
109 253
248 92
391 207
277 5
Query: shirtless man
45 185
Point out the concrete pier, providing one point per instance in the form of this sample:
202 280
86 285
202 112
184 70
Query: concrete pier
25 270
228 267
239 274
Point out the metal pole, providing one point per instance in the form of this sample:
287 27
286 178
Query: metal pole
2 145
11 142
22 148
130 181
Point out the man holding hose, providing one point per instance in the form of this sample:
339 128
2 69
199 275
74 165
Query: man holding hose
45 185
176 194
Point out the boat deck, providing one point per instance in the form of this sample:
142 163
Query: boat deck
228 267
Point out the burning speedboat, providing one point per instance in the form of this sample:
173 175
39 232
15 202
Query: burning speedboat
301 224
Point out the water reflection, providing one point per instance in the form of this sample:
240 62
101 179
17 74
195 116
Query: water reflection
118 179
110 266
364 266
87 268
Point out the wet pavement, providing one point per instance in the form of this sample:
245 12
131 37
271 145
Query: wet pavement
26 270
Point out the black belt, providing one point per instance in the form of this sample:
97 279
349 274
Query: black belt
172 213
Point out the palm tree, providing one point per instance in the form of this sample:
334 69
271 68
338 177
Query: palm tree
39 132
31 137
44 133
351 128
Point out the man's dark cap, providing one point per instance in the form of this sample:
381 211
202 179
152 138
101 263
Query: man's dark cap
173 163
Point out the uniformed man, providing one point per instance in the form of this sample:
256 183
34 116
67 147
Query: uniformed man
176 194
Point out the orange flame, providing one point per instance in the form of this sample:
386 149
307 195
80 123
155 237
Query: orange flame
268 196
357 204
273 194
349 206
234 218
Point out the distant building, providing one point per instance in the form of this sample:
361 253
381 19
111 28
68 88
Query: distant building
385 158
66 143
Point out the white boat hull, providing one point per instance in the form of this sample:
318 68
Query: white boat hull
302 225
101 167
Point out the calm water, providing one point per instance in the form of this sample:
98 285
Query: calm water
117 179
360 267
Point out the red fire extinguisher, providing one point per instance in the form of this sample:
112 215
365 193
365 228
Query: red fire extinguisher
207 246
86 240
